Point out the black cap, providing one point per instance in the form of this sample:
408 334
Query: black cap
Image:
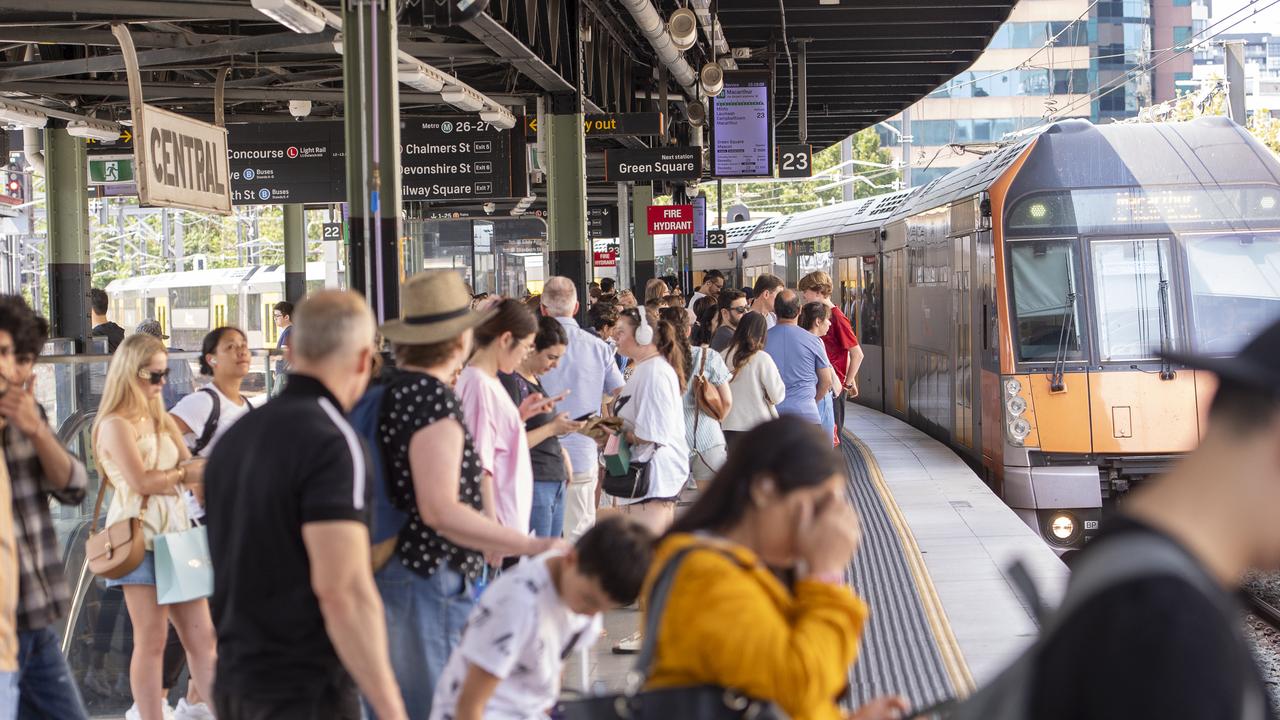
1257 366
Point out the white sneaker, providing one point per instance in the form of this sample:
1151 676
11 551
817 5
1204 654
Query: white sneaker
133 714
192 711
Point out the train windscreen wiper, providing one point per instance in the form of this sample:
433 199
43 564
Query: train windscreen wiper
1056 382
1166 332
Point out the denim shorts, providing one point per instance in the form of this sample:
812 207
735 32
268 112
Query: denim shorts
144 574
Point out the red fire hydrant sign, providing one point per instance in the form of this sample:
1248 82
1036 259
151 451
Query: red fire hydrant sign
670 219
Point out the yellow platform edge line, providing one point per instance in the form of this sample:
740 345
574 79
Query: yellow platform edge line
945 639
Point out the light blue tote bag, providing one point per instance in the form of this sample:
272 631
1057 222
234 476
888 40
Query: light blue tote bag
183 570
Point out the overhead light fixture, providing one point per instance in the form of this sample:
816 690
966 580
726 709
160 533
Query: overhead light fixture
21 116
465 99
500 118
93 129
712 79
683 27
300 16
337 43
696 112
421 77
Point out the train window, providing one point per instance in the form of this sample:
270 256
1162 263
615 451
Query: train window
1046 287
1235 289
1132 298
254 303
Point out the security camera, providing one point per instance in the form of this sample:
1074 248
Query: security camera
489 208
299 109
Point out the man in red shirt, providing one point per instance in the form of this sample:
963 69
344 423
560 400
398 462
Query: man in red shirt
841 344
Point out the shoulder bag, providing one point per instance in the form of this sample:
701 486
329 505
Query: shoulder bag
119 548
703 702
705 394
624 477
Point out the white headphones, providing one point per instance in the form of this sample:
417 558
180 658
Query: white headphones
644 333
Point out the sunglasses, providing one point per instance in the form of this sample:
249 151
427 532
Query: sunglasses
739 310
155 378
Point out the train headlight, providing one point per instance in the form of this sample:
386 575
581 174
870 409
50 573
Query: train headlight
1016 405
1062 526
1012 387
1019 430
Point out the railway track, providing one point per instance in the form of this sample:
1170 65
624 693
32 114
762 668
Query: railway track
1263 610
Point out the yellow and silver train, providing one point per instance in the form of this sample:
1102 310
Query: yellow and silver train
1015 308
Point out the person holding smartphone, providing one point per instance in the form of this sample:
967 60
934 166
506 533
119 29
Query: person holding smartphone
778 503
551 465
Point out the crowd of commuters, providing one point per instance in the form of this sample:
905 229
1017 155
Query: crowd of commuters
539 473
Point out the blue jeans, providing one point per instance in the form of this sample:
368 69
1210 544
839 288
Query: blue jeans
425 617
8 695
48 692
547 518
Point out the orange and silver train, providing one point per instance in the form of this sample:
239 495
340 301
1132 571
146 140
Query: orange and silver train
1016 308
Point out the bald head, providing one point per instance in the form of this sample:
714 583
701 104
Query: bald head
330 324
787 305
560 297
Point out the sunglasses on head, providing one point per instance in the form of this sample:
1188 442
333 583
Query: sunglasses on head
155 378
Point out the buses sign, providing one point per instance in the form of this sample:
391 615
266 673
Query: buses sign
180 162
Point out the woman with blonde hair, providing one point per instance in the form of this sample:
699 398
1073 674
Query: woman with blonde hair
141 454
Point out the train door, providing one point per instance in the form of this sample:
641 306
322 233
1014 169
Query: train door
895 331
964 397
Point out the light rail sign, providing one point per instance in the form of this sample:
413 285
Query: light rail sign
181 162
288 163
653 165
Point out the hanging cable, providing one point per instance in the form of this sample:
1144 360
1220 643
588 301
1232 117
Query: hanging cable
791 81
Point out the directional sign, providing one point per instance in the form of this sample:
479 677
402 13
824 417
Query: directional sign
670 219
602 221
460 158
610 124
717 238
795 161
671 163
287 163
110 171
122 145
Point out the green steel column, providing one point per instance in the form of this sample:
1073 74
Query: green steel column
567 194
295 253
644 270
66 182
373 153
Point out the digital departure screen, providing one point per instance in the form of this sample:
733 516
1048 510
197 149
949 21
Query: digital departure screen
742 133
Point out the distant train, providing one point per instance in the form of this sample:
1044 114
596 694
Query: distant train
190 304
1015 308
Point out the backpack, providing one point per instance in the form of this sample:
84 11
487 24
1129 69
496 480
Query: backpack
365 417
210 423
1008 696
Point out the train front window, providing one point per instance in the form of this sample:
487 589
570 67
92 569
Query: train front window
1132 297
1235 288
1046 299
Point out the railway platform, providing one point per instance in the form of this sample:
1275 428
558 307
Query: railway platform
933 566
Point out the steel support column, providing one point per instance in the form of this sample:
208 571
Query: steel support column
373 153
66 170
567 193
643 266
624 237
295 253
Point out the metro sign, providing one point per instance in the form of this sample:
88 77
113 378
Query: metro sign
670 219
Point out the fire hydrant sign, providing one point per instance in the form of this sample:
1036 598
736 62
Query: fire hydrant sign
670 219
180 162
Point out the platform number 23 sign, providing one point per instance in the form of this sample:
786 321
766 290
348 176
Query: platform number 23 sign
795 161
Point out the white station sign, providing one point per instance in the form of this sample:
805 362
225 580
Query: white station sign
180 162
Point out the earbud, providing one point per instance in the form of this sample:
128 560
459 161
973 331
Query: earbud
213 361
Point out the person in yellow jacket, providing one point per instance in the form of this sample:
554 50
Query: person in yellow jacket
778 502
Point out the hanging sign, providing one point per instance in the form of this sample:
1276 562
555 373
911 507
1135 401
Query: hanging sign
181 162
742 127
670 219
609 124
288 163
460 158
717 238
602 221
795 161
670 163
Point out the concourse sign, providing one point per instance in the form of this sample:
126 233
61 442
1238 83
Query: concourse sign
287 163
670 163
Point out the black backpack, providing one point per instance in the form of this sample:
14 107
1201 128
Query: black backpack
211 423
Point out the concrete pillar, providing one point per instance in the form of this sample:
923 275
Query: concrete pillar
373 154
295 253
66 183
642 247
567 193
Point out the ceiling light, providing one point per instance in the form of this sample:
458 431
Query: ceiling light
683 27
463 98
499 117
300 16
421 77
93 129
712 79
696 112
337 43
21 116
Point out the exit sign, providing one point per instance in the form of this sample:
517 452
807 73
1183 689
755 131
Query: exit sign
110 171
670 219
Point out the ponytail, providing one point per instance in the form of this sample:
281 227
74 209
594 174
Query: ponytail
674 345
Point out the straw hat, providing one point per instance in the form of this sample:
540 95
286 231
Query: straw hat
435 306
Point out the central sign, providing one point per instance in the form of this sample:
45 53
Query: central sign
181 162
670 219
460 158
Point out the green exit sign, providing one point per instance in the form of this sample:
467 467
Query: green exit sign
110 171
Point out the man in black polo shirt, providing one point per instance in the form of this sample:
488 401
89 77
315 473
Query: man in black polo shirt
1160 645
288 492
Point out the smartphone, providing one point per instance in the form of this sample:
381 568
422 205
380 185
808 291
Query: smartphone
583 418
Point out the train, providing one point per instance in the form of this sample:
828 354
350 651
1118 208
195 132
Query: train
1017 309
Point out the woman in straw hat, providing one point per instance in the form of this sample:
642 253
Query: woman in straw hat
434 474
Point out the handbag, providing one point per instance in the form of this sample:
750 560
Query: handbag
705 394
633 483
118 549
183 570
702 702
